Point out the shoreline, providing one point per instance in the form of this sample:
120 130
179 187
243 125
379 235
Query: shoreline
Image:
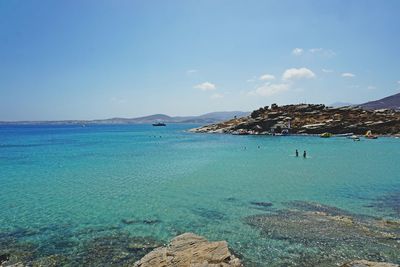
289 135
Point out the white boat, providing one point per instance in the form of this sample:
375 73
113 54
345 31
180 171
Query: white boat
354 138
344 135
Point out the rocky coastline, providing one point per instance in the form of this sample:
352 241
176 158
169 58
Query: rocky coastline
190 250
318 234
309 119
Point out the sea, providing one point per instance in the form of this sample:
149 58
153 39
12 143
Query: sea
104 195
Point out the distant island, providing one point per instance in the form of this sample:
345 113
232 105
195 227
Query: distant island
310 119
212 117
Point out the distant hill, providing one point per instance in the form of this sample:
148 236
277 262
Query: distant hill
340 104
390 102
212 117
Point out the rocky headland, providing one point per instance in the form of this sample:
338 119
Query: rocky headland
309 119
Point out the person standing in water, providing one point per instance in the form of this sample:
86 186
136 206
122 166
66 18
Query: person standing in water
304 154
297 153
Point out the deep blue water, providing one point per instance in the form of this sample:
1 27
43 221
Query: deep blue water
78 183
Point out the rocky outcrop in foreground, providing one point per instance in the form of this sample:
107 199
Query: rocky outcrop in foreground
190 250
310 119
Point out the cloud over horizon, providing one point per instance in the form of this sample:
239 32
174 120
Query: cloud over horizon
297 51
206 86
192 71
216 96
269 89
319 51
300 73
327 70
267 77
348 75
327 53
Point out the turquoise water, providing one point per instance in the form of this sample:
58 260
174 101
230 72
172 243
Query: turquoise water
77 183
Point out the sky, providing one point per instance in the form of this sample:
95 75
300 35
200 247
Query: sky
93 59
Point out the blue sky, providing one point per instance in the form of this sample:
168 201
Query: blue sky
99 59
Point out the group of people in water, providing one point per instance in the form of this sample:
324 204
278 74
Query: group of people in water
297 152
304 154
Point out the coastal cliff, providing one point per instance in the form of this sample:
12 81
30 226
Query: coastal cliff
309 119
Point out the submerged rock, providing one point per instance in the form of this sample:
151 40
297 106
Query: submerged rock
261 204
209 214
331 235
144 221
364 263
190 250
114 250
50 261
4 257
388 202
15 252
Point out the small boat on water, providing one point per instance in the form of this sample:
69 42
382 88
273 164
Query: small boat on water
354 138
159 124
325 135
344 135
369 135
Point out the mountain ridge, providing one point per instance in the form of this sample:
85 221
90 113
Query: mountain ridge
210 117
389 102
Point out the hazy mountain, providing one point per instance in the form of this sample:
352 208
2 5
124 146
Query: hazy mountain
390 102
205 118
340 104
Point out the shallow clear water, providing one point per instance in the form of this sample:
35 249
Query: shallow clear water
79 182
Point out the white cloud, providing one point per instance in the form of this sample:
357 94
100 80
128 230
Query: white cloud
216 96
253 79
327 70
298 74
322 52
269 89
315 50
398 82
267 77
297 51
206 86
371 87
191 71
348 75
